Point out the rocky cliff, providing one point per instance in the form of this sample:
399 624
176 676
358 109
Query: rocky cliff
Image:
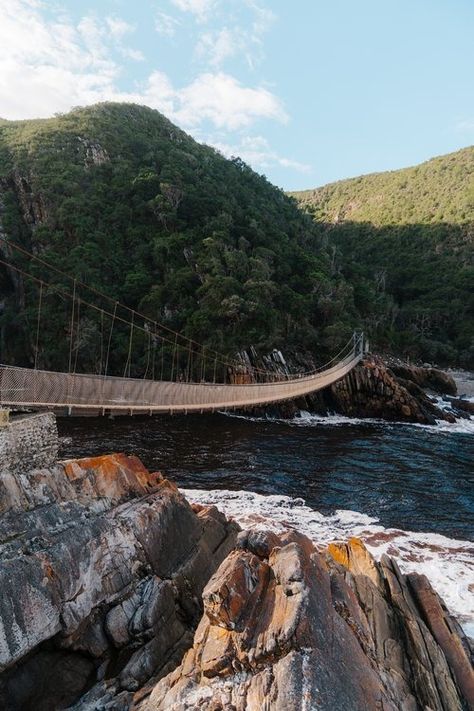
102 566
117 595
375 388
286 628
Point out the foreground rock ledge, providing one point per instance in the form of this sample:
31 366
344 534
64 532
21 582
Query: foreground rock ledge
287 628
117 595
102 566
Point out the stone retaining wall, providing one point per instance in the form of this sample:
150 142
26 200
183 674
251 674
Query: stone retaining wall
28 442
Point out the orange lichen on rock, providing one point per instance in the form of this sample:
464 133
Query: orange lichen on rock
112 476
354 556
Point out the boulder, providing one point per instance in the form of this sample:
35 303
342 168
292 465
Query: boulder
426 377
295 629
102 566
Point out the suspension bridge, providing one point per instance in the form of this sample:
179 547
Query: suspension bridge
176 373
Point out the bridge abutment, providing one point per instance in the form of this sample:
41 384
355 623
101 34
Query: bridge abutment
28 442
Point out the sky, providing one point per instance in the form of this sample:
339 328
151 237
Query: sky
305 91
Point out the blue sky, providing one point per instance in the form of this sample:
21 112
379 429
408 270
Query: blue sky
307 92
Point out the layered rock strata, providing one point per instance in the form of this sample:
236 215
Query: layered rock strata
117 595
102 566
286 628
372 389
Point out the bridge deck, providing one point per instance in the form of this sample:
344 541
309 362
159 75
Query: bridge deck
75 394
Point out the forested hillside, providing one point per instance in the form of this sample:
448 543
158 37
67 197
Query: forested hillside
404 240
119 197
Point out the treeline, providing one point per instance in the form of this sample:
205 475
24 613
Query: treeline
404 241
123 200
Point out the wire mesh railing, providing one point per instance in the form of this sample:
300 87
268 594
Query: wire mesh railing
38 389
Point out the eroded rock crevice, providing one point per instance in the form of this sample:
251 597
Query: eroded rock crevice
288 627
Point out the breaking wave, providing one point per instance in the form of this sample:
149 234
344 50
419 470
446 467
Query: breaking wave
448 563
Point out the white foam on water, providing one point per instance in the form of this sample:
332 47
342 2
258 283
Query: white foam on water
308 419
448 563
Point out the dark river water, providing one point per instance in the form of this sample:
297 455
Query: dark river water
407 491
409 477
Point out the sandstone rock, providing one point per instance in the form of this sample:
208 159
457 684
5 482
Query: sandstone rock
102 566
291 630
430 378
371 389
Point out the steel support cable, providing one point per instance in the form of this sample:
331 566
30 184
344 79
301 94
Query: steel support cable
147 357
172 361
349 347
203 365
110 341
101 341
125 395
188 367
100 293
128 363
222 358
107 313
71 328
177 334
38 322
77 333
162 359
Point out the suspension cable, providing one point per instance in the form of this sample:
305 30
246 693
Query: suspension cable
128 363
38 325
50 266
77 334
110 341
177 335
101 341
71 330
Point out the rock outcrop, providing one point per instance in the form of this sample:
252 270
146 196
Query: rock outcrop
117 595
285 628
102 566
426 377
372 389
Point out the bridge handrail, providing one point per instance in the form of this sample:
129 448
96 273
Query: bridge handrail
29 388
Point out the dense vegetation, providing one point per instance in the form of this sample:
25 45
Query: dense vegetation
122 199
404 241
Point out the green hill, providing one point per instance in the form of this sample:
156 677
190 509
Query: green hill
404 241
440 190
125 201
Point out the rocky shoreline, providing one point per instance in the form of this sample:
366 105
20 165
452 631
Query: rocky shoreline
376 388
118 594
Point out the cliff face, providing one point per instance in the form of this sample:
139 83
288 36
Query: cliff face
286 628
102 569
117 595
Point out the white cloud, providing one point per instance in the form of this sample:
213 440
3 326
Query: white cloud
135 54
256 151
465 126
118 28
263 17
243 38
199 8
49 67
166 24
218 46
221 99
